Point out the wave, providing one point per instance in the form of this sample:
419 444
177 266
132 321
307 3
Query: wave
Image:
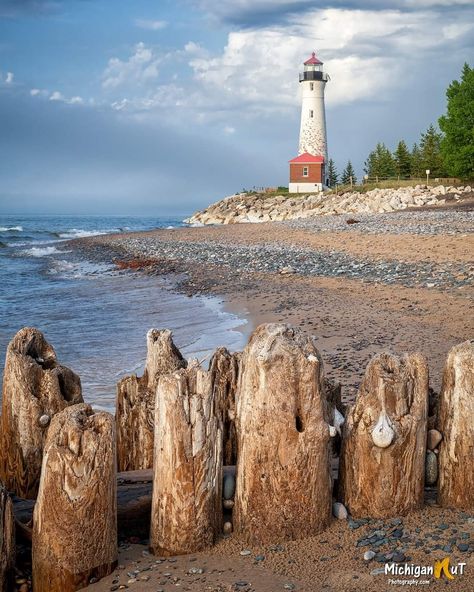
3 245
11 228
80 233
42 251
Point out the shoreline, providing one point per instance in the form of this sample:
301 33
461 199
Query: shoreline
377 303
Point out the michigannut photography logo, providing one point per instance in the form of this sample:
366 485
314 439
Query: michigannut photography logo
412 574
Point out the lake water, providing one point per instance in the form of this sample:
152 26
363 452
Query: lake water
95 316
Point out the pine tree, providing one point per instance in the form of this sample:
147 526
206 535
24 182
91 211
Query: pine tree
347 173
402 158
416 164
332 173
457 146
430 150
380 163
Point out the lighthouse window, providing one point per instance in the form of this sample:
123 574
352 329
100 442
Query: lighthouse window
311 113
311 86
305 169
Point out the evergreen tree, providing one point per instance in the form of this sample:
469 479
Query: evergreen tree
347 173
430 151
457 146
402 159
416 164
380 163
332 173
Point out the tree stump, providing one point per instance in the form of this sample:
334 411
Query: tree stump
283 470
224 369
456 423
75 516
136 402
7 541
186 512
35 388
384 439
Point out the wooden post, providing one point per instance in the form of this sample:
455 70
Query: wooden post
224 370
136 402
284 484
456 424
384 439
7 541
186 514
35 388
75 516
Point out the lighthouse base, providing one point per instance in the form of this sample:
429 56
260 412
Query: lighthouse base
305 187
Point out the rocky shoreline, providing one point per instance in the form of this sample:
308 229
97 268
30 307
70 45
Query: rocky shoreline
265 207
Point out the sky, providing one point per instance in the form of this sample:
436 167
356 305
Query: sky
160 107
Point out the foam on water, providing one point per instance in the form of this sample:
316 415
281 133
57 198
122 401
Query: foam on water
11 229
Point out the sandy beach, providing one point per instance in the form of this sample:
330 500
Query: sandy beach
399 282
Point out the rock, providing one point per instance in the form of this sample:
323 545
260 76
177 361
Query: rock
369 555
7 540
246 553
456 422
431 468
227 528
380 473
339 511
433 439
287 271
228 504
229 486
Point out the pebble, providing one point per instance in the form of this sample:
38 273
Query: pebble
228 504
44 420
229 486
463 547
289 586
369 555
433 438
245 553
339 511
227 528
431 468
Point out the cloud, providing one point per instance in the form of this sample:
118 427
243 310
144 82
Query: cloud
9 78
150 24
16 8
140 68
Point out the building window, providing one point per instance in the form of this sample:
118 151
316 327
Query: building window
305 169
311 113
311 86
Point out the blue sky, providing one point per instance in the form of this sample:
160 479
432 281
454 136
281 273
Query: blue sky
159 107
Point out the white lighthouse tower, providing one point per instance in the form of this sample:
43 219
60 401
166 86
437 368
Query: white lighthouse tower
308 170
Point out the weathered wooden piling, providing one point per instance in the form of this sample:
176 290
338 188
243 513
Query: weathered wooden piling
7 541
224 370
75 517
186 513
136 402
283 472
384 439
35 388
456 424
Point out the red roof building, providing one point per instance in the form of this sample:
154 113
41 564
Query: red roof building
306 173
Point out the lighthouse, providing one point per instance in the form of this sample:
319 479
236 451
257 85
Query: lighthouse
308 169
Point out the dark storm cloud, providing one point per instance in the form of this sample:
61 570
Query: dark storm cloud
68 158
257 13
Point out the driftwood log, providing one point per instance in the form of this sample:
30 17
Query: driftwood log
456 424
7 541
136 402
384 439
35 388
224 370
186 514
283 469
75 516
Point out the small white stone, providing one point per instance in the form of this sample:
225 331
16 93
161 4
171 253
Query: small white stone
369 555
339 511
44 420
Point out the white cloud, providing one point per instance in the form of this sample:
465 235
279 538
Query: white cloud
140 68
9 78
56 96
151 24
228 129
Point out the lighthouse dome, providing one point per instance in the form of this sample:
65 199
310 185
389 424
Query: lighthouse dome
313 60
